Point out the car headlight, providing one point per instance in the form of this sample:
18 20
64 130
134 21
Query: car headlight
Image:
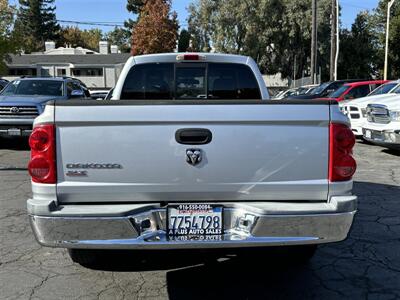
395 116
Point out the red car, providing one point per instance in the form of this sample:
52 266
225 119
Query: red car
355 90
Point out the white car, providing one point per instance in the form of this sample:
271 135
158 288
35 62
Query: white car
356 110
383 124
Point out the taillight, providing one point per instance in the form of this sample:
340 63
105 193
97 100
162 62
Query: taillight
42 166
190 57
342 165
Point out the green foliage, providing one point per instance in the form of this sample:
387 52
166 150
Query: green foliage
358 50
9 38
135 6
37 20
75 37
92 37
378 28
274 32
201 24
183 41
120 37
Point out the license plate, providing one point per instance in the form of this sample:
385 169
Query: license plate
195 220
14 132
368 134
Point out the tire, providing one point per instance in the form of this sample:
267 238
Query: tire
84 257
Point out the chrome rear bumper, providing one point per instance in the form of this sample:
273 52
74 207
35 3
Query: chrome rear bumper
143 226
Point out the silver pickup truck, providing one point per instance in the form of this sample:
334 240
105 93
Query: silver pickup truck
189 153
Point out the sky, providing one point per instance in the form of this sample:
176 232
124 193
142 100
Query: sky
114 11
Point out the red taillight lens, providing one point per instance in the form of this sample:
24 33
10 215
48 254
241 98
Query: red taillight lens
190 57
342 165
39 167
39 140
42 166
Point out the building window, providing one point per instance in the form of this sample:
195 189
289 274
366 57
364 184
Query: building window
87 72
61 72
45 72
22 72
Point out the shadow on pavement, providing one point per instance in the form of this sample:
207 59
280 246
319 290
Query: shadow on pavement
17 144
392 152
367 262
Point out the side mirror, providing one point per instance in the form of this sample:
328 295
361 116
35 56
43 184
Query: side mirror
348 97
77 94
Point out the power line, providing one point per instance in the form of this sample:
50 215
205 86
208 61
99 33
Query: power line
111 24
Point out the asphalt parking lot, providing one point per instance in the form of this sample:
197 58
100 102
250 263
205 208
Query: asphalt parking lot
365 266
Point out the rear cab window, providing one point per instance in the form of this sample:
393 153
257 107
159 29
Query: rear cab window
189 81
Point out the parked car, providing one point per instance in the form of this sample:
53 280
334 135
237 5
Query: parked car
306 89
109 95
303 90
385 88
98 94
324 89
355 90
356 110
383 124
22 100
189 153
3 84
284 94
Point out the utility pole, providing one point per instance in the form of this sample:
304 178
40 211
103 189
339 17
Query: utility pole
333 41
337 39
385 71
314 42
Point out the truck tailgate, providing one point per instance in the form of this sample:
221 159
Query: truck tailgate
272 152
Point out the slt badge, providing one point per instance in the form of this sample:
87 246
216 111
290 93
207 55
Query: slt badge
193 156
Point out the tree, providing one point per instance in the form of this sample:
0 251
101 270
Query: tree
183 41
9 39
276 33
71 36
75 37
200 24
156 30
37 19
92 37
359 53
378 28
120 37
133 6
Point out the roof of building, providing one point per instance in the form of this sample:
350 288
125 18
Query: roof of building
91 59
69 51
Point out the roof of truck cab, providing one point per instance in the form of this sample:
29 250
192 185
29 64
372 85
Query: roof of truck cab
208 57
